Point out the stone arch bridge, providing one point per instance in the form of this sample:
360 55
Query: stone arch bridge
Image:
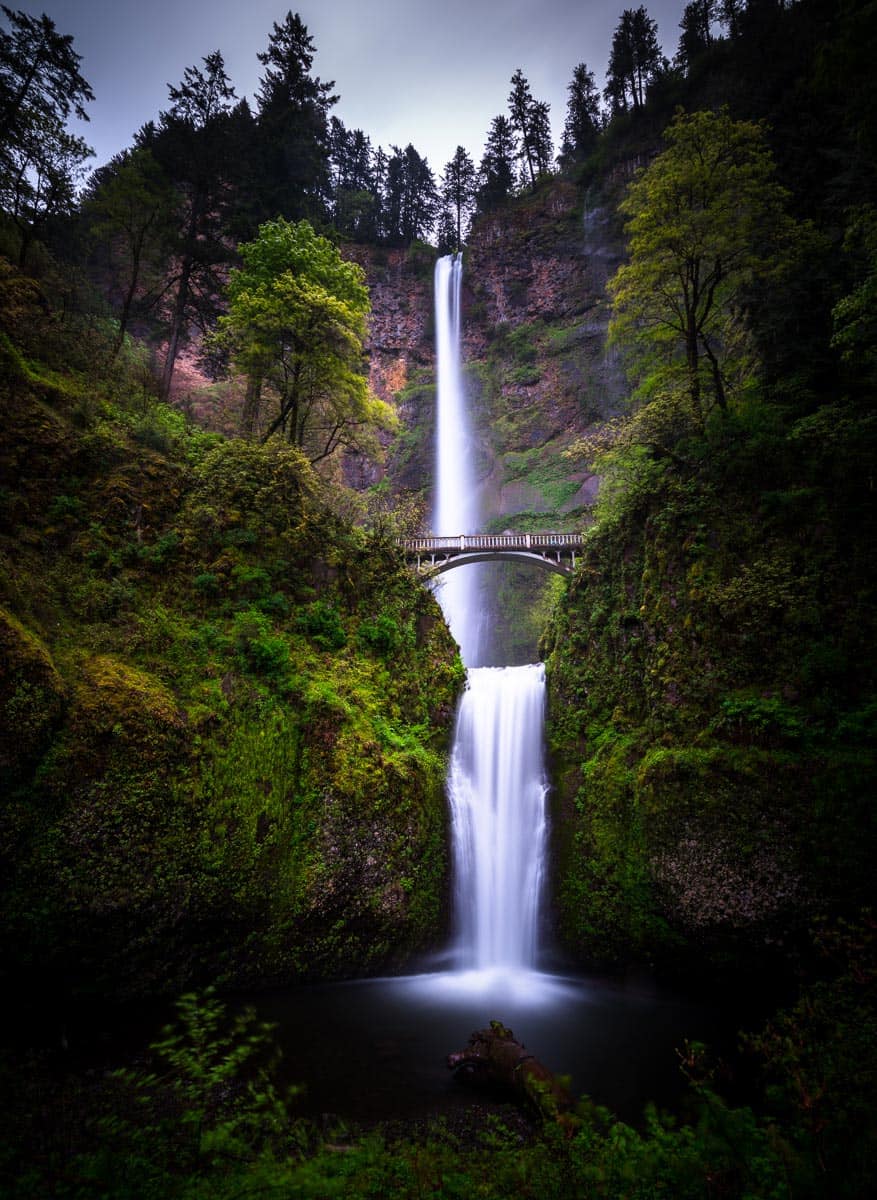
435 555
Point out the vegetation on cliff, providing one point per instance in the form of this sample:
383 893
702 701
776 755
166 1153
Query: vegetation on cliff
224 706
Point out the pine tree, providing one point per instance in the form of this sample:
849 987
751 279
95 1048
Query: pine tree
41 162
583 118
411 201
191 144
496 174
292 114
634 61
458 191
530 121
695 31
521 115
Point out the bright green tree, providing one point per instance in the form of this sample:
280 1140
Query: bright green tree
705 221
295 327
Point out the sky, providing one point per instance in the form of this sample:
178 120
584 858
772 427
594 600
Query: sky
430 72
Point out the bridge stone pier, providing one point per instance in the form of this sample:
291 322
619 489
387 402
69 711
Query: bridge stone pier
435 555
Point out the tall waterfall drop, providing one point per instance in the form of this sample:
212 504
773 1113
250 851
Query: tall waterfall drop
496 782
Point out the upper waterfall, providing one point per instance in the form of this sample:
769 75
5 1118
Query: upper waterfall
455 505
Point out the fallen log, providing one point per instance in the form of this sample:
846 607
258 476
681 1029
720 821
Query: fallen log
495 1056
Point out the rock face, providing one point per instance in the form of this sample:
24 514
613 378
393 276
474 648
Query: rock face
537 367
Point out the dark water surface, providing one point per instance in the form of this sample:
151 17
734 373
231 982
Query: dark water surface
376 1049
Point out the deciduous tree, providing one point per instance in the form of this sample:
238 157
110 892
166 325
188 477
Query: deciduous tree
295 323
705 221
131 207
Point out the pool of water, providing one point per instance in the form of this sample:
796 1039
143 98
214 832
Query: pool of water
376 1049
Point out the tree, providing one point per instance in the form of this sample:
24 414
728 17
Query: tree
131 206
40 85
705 221
38 177
458 190
634 60
353 191
522 114
583 118
39 76
496 174
293 113
411 201
192 146
695 31
296 322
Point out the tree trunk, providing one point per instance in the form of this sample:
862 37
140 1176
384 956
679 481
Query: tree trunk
692 358
252 403
495 1056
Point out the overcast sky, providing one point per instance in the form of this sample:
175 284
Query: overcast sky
432 73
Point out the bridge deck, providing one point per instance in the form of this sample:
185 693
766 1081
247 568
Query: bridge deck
435 554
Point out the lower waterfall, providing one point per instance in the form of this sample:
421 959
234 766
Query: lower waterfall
496 790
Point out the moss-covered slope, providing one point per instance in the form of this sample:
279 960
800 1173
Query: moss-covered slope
223 709
712 694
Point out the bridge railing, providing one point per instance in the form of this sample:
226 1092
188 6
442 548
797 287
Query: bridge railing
492 541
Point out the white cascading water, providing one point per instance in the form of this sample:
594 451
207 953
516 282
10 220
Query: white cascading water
496 787
455 507
496 782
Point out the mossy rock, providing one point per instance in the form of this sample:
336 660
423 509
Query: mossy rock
31 698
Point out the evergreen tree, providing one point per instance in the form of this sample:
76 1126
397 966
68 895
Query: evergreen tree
634 61
458 191
583 118
411 201
543 145
40 79
293 113
530 121
192 145
353 198
496 174
695 31
730 13
41 162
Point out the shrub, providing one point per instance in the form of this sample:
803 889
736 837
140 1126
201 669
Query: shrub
258 647
321 623
382 635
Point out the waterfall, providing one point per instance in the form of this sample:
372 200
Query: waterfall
496 787
496 781
455 508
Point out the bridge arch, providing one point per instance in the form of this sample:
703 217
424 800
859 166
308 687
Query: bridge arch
432 556
460 560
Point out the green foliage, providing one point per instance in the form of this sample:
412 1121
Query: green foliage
321 622
259 648
383 635
705 220
296 321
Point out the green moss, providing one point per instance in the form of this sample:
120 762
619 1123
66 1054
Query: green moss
31 697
